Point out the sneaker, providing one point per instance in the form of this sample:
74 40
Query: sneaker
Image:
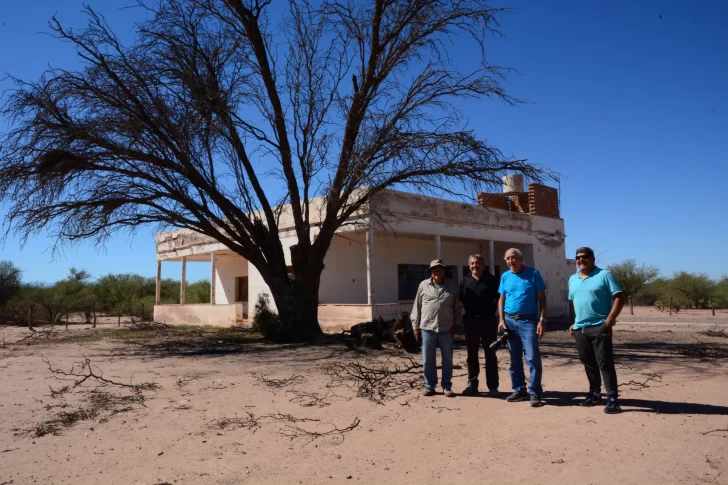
471 390
428 391
592 399
517 397
535 400
612 407
448 392
493 393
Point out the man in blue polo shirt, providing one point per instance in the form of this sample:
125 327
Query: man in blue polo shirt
595 299
522 309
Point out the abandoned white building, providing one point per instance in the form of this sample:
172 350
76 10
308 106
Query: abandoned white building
368 273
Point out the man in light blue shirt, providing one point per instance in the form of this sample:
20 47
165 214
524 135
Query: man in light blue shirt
522 310
595 299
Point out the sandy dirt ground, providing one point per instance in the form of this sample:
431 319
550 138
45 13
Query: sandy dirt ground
219 406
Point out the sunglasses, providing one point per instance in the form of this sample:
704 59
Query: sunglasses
582 256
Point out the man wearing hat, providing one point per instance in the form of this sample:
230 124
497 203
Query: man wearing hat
435 318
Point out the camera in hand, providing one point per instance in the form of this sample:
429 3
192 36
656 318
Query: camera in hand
501 340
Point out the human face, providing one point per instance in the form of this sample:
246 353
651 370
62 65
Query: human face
585 263
514 262
476 267
438 274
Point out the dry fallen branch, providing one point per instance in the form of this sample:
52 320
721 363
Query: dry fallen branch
251 423
311 399
296 432
702 350
56 393
254 423
281 383
38 335
642 385
84 371
714 332
376 383
440 409
147 326
725 430
98 402
185 380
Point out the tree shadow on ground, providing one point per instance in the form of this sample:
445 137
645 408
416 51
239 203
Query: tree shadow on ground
646 351
202 345
632 405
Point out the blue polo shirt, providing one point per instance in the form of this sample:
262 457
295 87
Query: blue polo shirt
592 296
520 290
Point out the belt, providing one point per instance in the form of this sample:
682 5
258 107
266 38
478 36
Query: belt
522 316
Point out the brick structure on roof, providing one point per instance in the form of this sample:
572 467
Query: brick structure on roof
540 200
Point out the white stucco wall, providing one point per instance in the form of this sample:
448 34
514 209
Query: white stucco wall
344 279
228 267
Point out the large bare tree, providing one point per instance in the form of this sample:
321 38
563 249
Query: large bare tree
216 101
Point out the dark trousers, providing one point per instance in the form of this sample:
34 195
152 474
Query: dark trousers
595 352
482 331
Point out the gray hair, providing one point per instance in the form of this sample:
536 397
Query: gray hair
518 252
476 256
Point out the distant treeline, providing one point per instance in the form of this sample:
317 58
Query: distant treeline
113 294
687 290
125 294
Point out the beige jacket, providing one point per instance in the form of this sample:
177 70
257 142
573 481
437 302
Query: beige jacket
436 309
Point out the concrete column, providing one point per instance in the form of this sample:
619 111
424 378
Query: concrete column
158 294
370 266
491 256
183 283
213 269
437 246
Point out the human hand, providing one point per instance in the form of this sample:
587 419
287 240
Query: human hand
502 326
418 334
540 330
453 330
571 330
609 324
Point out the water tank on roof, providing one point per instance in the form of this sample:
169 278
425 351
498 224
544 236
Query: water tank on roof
512 183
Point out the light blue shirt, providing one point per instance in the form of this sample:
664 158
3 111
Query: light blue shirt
520 290
592 297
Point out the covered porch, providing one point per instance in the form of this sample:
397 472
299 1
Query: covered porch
370 275
229 291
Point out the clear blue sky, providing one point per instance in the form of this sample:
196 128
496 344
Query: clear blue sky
627 100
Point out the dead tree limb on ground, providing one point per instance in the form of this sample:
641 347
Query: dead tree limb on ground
38 335
376 383
642 385
716 431
296 432
250 422
311 399
281 383
86 370
702 350
714 332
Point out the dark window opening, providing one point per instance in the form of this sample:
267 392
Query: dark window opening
241 288
410 276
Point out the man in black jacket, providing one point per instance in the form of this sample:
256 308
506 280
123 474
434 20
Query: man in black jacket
478 296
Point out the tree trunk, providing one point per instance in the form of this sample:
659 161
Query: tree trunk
297 304
296 298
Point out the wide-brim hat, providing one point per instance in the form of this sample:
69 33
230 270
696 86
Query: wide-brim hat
437 262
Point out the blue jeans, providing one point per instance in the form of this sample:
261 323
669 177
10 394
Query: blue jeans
430 341
522 339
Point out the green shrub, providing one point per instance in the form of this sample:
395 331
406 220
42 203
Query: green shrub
265 320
